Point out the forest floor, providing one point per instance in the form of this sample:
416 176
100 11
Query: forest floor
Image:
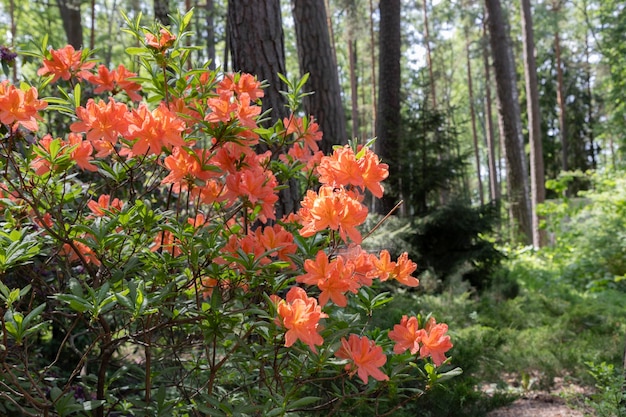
547 404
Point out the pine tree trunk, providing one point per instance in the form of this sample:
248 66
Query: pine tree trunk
473 117
508 107
210 29
537 177
316 58
494 185
72 24
161 11
388 121
255 33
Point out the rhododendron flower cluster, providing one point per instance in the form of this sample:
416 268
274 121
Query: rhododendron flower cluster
432 340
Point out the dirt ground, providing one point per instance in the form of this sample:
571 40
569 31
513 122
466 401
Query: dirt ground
537 405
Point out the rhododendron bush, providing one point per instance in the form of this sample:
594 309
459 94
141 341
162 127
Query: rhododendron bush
147 268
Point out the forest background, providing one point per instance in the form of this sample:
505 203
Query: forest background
502 123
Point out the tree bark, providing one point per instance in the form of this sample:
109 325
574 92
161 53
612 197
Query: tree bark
389 120
315 57
429 62
72 24
257 47
210 28
494 185
560 93
255 33
508 107
473 117
537 176
373 66
161 11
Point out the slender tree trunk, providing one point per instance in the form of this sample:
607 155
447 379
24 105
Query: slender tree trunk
429 62
354 93
331 31
494 185
473 117
590 116
389 120
72 23
315 57
373 66
13 35
560 93
508 107
210 28
537 177
161 11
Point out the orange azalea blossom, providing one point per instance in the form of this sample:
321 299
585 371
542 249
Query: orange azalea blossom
364 356
115 81
364 266
65 63
255 185
300 315
186 168
343 169
407 335
278 241
20 107
400 270
165 39
223 108
334 209
435 343
305 130
247 112
87 255
81 152
334 278
298 152
103 122
150 131
105 206
167 242
241 84
198 221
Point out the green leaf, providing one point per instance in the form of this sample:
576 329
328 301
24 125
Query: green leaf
302 402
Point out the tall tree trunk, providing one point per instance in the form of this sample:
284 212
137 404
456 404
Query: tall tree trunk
161 11
494 185
257 45
315 57
473 116
429 62
537 177
560 94
354 94
210 29
373 66
508 107
389 120
256 38
590 116
72 24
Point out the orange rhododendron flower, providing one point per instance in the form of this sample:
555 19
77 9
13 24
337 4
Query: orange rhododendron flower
241 84
400 270
365 357
305 130
79 252
103 122
407 335
333 209
162 41
342 169
436 342
66 63
20 107
334 278
104 205
300 315
150 131
81 153
115 81
256 185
